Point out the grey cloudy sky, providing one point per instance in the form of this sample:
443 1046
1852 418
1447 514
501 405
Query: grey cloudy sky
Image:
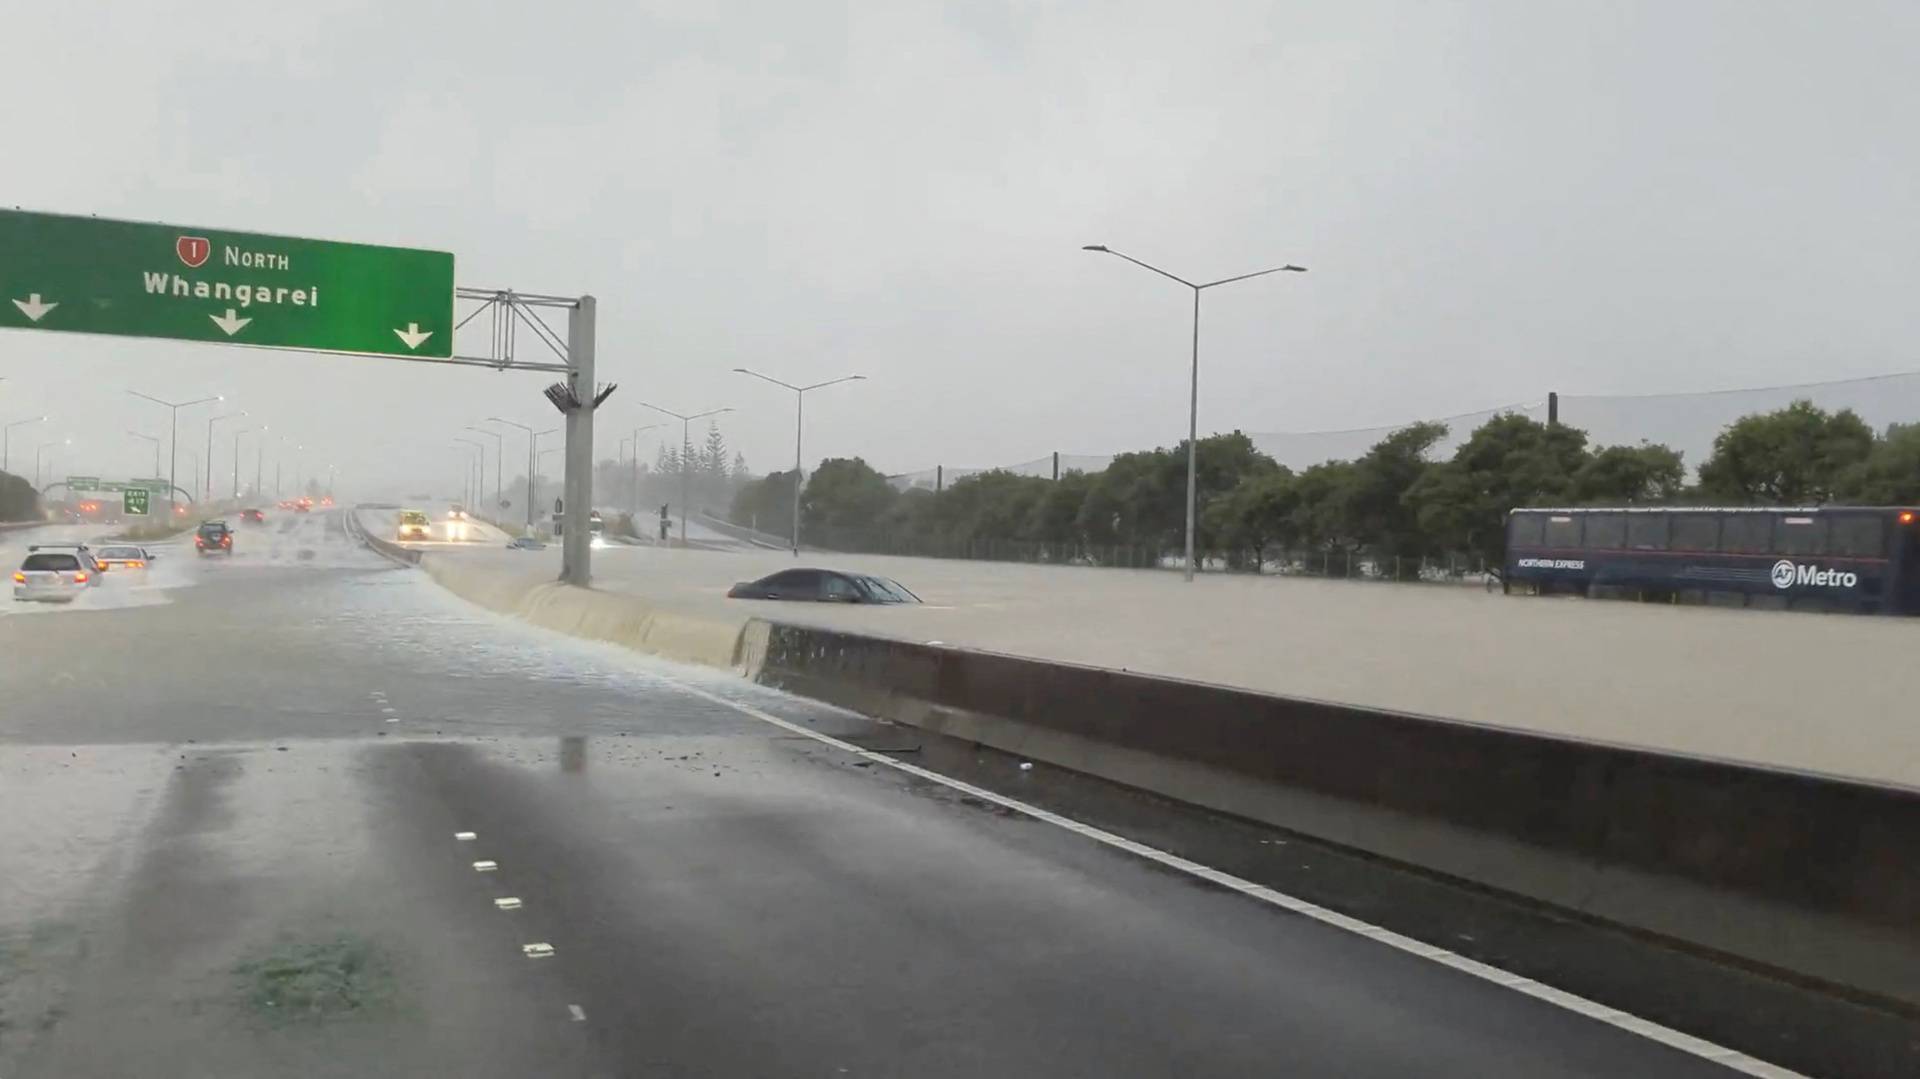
1495 199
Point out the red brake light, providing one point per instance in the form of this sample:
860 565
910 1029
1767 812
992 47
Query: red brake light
1906 517
80 577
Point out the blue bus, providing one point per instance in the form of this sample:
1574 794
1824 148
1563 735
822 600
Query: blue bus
1862 559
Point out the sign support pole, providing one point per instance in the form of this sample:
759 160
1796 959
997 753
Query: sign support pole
576 534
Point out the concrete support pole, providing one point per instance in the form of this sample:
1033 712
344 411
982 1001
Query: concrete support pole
576 542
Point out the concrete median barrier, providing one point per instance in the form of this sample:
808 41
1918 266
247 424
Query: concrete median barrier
636 623
1803 875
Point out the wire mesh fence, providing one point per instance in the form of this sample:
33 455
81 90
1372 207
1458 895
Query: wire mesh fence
1687 422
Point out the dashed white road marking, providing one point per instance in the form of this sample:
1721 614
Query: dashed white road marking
579 1014
485 867
540 950
465 837
508 902
1632 1024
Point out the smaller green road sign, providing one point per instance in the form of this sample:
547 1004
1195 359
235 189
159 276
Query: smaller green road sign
150 485
83 483
136 279
133 501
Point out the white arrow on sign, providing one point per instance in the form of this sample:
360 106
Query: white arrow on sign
33 308
413 336
230 323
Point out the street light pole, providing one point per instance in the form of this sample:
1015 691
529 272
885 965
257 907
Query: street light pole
1193 388
6 439
799 414
211 420
499 449
36 457
533 437
156 449
633 479
259 459
685 445
173 443
236 459
477 486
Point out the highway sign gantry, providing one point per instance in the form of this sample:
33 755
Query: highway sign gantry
137 279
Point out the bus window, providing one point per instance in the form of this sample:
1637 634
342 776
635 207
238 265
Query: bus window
1696 531
1607 531
1563 530
1747 533
1528 530
1860 536
1647 531
1800 535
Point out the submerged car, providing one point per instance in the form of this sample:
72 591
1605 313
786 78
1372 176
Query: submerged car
525 543
824 586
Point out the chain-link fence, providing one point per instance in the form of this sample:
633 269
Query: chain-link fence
1687 422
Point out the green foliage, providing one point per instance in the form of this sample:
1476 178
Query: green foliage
845 497
18 500
1797 455
765 504
1623 475
1461 504
1890 474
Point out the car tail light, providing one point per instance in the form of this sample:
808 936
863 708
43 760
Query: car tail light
19 578
80 577
1906 517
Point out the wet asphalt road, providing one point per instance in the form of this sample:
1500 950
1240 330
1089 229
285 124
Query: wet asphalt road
231 848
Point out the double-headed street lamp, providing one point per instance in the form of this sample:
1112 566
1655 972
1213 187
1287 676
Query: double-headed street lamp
799 413
211 420
686 445
6 439
1193 391
474 486
37 450
156 449
236 461
499 450
173 442
633 481
533 438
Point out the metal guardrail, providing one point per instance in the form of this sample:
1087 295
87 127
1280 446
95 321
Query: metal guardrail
403 555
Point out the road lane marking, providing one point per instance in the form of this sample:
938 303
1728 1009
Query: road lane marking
579 1014
485 867
465 837
541 950
507 902
1632 1024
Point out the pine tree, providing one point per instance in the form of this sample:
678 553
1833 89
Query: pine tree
739 470
713 461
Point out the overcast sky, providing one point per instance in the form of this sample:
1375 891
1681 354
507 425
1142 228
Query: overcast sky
1494 199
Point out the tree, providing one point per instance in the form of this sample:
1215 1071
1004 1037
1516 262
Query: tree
667 461
1056 516
713 456
1890 474
1511 460
1619 475
18 500
765 504
1321 514
1794 455
844 500
1259 512
1379 514
739 470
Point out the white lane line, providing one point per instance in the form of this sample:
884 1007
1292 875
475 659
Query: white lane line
485 867
508 902
541 950
387 709
1579 1005
393 719
579 1014
465 837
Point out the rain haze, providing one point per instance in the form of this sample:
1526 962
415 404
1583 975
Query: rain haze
1494 200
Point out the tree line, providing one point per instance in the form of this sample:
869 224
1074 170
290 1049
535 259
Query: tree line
18 500
1398 503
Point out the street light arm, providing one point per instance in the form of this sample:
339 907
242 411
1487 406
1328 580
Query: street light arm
833 382
150 397
668 411
1143 265
770 378
1261 273
709 412
510 423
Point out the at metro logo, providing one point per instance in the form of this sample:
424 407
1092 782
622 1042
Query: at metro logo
193 250
1786 573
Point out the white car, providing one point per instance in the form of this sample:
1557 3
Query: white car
52 577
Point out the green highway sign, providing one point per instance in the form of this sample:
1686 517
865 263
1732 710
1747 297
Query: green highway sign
83 483
133 501
135 279
151 485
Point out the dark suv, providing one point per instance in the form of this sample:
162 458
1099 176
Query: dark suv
213 537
